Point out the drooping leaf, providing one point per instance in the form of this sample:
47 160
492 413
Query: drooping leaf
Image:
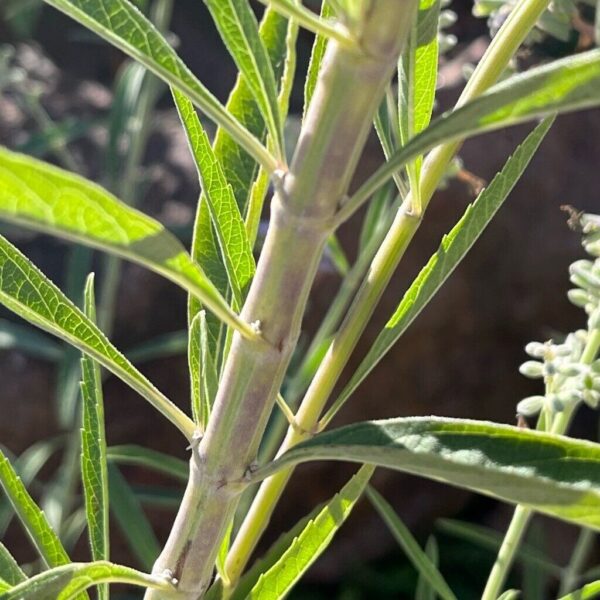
134 525
94 471
123 25
32 518
239 30
410 546
561 86
454 247
27 292
551 474
9 568
277 582
131 454
43 197
68 581
225 215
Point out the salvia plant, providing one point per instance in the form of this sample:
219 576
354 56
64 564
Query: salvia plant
373 66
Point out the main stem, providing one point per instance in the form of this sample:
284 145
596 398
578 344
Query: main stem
492 65
348 93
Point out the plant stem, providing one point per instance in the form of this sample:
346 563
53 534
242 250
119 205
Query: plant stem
572 572
333 135
491 66
506 554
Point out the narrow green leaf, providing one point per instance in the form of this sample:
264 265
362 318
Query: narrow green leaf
43 197
310 544
454 247
9 569
239 168
4 586
42 535
239 30
561 86
551 474
273 554
131 454
29 341
425 591
418 77
587 592
123 25
421 562
132 521
316 59
27 292
68 581
225 215
94 471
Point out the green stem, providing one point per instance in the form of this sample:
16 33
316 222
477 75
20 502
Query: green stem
572 572
491 66
510 545
331 141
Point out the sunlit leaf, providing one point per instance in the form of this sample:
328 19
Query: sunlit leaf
46 198
454 247
27 292
551 474
311 542
124 26
68 581
239 30
94 472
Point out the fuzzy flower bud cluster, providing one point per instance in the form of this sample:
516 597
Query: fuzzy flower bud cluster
567 380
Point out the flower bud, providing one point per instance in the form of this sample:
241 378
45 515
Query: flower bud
556 403
536 349
532 369
591 398
594 320
528 407
571 369
578 297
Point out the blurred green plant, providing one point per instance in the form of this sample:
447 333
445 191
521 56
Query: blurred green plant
245 315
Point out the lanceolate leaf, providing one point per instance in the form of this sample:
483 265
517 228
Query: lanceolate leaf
587 592
551 474
94 473
453 249
225 215
562 86
38 195
418 76
238 166
237 24
31 295
277 582
33 519
424 566
9 569
67 582
123 25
